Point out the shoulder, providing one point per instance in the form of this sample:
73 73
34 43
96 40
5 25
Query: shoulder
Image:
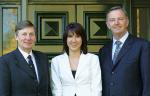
39 53
41 56
58 60
8 58
91 56
9 55
59 57
106 47
141 41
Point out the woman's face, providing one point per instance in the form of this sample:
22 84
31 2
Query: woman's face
74 42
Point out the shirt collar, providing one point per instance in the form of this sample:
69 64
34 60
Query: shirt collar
25 55
122 40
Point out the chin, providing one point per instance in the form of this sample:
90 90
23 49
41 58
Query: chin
117 32
28 47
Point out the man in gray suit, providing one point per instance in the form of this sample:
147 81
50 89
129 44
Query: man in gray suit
24 72
125 61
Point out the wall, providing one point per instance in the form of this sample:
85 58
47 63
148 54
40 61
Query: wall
57 14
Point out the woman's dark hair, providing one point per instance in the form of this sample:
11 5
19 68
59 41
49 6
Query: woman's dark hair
23 24
79 30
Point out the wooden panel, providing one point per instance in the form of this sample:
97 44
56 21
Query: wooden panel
140 2
141 22
75 1
51 26
9 2
1 32
51 14
92 17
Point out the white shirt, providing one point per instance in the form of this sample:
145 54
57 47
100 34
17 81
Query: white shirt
122 40
25 55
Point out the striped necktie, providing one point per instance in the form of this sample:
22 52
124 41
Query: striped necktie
118 43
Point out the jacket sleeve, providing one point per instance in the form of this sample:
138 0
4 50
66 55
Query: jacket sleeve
145 68
96 84
4 78
55 79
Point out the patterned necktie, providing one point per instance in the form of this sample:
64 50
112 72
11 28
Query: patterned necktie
118 43
31 65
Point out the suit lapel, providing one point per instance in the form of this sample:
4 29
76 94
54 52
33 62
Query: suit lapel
21 62
124 49
109 56
66 66
81 64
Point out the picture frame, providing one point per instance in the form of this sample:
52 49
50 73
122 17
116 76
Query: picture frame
10 17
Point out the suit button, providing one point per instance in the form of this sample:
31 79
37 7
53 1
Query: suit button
30 66
112 72
111 84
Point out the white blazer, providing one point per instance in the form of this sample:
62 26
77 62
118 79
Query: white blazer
87 81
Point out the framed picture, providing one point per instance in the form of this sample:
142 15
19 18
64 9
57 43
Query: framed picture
51 26
9 17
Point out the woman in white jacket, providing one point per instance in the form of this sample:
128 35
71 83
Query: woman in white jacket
75 72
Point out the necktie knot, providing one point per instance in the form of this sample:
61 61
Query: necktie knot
29 57
118 43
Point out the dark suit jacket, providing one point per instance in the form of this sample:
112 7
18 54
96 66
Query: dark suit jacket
16 78
130 76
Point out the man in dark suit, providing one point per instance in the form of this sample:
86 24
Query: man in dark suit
125 61
24 72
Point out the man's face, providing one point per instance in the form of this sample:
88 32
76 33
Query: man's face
26 38
117 22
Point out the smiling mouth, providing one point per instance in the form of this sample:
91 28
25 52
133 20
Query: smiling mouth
116 28
74 45
28 43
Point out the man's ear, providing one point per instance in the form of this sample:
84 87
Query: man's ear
107 25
